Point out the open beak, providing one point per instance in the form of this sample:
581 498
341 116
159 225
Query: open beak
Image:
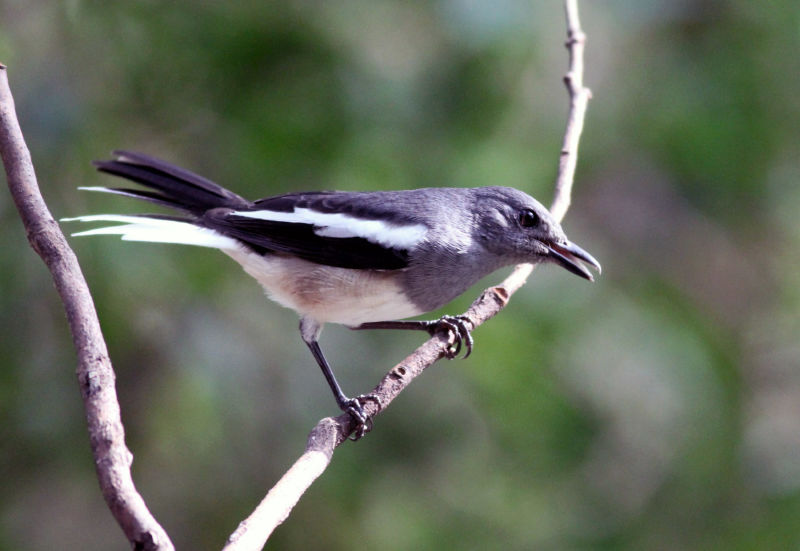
569 255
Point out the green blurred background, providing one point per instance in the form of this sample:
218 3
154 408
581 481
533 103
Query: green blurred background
656 409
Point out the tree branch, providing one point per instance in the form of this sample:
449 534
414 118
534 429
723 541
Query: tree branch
579 97
253 532
95 374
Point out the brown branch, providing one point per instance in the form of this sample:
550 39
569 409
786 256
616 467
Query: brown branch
252 533
95 374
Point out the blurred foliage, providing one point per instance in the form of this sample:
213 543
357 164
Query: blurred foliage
656 409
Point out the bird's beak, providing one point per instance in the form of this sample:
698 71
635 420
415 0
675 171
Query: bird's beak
569 256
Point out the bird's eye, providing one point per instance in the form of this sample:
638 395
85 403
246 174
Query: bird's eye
528 218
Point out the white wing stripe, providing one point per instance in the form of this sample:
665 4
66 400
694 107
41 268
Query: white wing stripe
336 224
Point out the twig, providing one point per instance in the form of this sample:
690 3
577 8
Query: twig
95 374
252 533
579 97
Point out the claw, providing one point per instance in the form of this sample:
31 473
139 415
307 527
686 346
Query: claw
453 350
364 422
466 336
457 326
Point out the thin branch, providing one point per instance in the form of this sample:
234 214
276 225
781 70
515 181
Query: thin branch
579 97
252 533
95 374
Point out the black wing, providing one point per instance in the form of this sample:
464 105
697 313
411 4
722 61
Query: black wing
299 240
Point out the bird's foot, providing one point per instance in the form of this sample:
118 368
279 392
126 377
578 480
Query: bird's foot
355 407
461 336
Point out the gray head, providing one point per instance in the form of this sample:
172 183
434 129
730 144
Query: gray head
515 226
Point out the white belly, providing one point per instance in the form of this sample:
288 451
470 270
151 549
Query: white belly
326 293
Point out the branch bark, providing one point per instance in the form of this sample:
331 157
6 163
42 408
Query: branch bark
95 374
253 532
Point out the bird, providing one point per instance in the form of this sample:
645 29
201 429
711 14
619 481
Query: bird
366 260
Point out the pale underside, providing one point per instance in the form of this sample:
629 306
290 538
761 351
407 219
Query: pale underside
326 293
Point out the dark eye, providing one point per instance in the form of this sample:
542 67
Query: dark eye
528 218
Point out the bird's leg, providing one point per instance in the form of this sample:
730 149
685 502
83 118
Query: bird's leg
310 330
455 325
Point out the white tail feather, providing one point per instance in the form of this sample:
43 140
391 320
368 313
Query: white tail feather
156 230
96 188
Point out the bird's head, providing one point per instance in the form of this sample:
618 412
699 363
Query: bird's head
514 225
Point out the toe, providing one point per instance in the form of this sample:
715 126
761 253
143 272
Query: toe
363 421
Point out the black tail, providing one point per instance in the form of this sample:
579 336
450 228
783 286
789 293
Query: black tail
174 187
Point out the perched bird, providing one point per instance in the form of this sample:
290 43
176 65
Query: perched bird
361 259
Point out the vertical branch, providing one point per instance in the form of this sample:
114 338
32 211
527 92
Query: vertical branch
579 97
95 374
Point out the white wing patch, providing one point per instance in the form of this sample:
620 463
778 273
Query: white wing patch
336 224
155 230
